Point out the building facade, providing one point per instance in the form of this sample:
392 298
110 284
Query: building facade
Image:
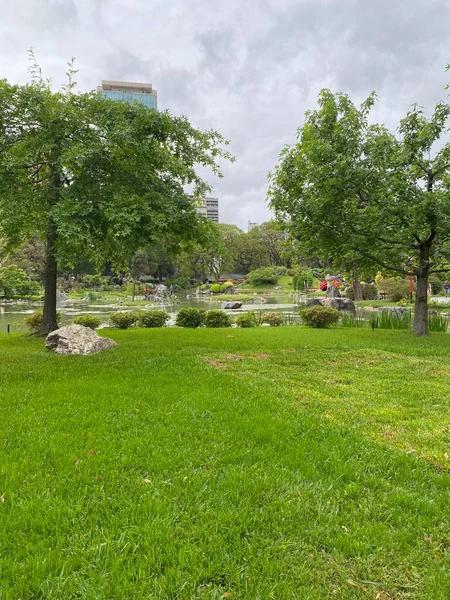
210 208
128 91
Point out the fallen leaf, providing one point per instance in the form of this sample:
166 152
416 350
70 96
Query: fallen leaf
3 498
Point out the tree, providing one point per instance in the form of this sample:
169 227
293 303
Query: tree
15 282
97 179
349 188
273 239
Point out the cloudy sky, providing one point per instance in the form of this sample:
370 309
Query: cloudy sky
248 68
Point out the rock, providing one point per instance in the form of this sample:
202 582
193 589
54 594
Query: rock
161 290
341 304
333 292
230 290
61 297
231 305
76 339
313 302
278 287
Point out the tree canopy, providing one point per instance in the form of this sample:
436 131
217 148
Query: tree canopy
94 178
349 190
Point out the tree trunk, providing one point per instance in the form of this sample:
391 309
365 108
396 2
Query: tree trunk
420 326
49 321
357 291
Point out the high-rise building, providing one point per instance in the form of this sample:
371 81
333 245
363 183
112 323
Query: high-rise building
210 208
251 225
127 91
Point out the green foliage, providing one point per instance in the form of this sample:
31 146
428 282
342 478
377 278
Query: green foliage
265 275
320 317
302 280
396 288
215 288
91 321
190 317
436 284
95 280
34 321
15 282
153 318
391 320
272 318
348 320
354 192
123 319
437 304
247 319
437 322
97 178
217 318
368 290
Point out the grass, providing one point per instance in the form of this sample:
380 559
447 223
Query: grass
254 464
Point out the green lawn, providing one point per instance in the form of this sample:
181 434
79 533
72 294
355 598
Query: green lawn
250 464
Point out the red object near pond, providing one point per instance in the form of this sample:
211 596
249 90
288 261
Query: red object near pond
323 286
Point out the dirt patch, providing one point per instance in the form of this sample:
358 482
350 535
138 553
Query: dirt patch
217 364
262 356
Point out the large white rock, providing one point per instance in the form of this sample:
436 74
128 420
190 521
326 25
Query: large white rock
76 339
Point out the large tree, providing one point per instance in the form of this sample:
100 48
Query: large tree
96 179
351 191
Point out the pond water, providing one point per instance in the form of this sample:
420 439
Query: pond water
14 314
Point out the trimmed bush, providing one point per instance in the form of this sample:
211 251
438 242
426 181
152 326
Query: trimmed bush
217 318
247 319
34 321
153 318
274 319
320 317
190 317
396 288
228 284
123 319
90 321
261 276
215 288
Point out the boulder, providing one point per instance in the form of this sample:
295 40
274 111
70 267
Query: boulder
398 310
313 302
333 292
76 339
231 305
341 304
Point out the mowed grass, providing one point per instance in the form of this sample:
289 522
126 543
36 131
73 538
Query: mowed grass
250 464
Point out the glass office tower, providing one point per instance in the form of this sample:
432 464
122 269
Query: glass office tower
126 91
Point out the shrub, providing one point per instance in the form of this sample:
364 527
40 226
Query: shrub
435 283
396 288
274 319
261 276
90 321
153 318
34 321
281 270
217 318
215 288
190 317
247 319
228 284
123 319
320 316
368 291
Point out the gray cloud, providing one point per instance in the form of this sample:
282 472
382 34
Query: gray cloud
247 68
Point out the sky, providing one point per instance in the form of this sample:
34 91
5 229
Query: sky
247 68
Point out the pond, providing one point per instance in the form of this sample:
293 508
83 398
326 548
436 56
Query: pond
14 314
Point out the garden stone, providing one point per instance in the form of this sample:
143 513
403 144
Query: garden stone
333 292
313 302
398 310
61 297
231 305
341 304
76 339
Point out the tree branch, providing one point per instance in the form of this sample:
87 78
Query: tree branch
381 263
